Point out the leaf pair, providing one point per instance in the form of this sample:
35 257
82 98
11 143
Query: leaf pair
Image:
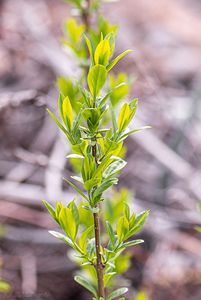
66 217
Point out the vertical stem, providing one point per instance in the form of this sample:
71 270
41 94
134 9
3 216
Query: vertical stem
99 264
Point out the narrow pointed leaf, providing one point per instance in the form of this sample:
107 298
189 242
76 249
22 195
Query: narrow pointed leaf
61 237
111 233
50 209
117 293
86 284
76 188
115 61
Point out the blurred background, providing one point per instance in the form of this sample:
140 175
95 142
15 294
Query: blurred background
164 163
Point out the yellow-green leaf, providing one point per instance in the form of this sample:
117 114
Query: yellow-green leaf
67 113
124 116
96 79
102 53
122 228
115 61
67 222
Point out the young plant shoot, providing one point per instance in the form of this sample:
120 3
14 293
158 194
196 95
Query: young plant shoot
96 125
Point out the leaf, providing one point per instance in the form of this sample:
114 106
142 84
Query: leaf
75 31
50 209
117 293
114 122
86 284
110 92
91 247
75 213
84 236
111 233
139 222
102 52
131 243
124 116
89 184
126 211
59 124
122 228
77 178
104 186
76 188
68 223
89 45
67 113
96 79
115 61
124 136
61 237
114 167
59 206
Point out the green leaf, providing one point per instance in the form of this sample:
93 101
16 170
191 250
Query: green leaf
114 167
104 186
126 114
131 243
127 211
67 113
139 222
122 228
89 45
124 136
124 117
60 125
96 79
91 247
74 30
114 122
110 92
84 236
76 188
89 184
61 237
77 178
50 209
102 52
111 233
117 293
75 213
115 61
86 284
59 206
68 223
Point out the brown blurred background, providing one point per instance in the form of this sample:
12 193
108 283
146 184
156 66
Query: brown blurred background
164 169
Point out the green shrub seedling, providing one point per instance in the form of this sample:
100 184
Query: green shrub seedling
96 125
